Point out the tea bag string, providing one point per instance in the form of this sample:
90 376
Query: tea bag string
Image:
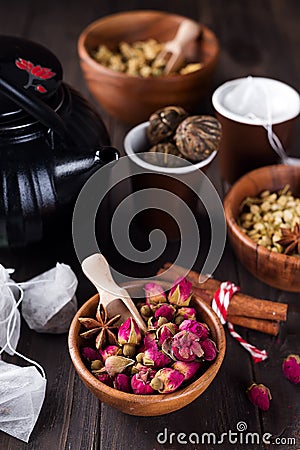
11 318
273 139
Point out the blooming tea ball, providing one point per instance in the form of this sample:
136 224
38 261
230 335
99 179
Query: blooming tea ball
164 122
197 137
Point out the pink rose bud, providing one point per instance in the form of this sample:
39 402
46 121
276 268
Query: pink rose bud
145 311
188 369
129 336
260 396
180 293
166 311
122 382
148 341
140 382
105 378
167 380
90 354
166 331
186 346
187 312
291 368
110 350
195 327
155 358
117 364
155 294
129 332
210 350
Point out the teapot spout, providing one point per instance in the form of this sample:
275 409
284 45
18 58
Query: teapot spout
80 165
106 154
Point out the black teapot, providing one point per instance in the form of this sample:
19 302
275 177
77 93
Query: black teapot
51 141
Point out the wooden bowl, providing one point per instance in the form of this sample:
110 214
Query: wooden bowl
132 99
146 405
275 269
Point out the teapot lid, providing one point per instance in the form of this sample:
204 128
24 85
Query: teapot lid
30 66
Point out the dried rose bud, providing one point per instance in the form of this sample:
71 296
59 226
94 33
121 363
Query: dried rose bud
148 341
260 396
195 327
166 311
140 357
129 336
187 313
110 350
166 331
90 354
105 378
186 346
167 380
178 320
155 294
291 368
122 382
146 311
209 348
180 293
166 347
117 364
140 382
96 365
154 324
155 358
188 369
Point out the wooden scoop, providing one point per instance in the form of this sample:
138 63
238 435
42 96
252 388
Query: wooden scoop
115 299
173 51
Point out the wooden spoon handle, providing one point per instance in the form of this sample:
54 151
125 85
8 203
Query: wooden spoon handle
187 31
97 270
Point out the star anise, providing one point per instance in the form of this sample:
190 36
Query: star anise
102 326
290 240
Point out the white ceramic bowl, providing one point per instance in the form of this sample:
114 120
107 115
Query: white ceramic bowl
136 142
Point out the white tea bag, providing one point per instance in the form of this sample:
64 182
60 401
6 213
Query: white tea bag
261 101
49 302
7 308
249 99
22 393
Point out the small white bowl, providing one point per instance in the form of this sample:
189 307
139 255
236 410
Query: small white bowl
136 142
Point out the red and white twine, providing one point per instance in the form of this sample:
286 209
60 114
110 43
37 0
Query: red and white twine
220 305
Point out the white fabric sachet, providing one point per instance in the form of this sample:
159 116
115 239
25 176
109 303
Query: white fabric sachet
22 393
49 303
7 308
261 104
250 99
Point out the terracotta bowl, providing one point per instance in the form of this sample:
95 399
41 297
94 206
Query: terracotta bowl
146 405
132 99
277 270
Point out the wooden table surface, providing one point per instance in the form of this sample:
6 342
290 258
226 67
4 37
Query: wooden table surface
259 38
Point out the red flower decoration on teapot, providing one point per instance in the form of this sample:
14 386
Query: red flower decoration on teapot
35 73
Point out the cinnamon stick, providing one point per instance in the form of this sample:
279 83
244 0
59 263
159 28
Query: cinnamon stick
264 326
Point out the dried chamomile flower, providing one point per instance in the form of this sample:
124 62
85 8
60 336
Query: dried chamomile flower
272 220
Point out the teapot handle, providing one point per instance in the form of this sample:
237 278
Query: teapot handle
35 107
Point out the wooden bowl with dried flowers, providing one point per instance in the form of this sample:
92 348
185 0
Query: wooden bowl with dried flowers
144 377
263 217
129 96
